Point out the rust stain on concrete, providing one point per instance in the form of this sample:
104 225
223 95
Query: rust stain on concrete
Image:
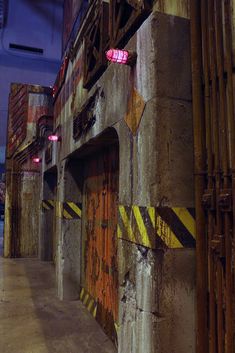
135 111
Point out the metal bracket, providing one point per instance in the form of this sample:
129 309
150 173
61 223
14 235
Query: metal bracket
218 245
208 200
225 200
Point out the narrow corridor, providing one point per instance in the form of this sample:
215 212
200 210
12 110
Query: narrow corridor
33 320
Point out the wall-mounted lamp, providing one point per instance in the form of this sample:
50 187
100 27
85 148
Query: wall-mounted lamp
121 56
36 160
54 138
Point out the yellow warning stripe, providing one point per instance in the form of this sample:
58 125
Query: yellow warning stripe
89 306
119 232
66 214
166 234
82 293
157 226
51 202
89 302
127 224
152 215
141 226
44 205
75 208
94 311
186 218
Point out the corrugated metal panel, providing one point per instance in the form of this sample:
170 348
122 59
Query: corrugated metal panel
18 105
100 247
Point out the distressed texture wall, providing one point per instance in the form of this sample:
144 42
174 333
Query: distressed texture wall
156 262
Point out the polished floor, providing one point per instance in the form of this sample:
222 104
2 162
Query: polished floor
33 320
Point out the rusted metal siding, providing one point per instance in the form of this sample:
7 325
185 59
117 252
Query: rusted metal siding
27 103
17 123
100 242
214 129
179 8
73 12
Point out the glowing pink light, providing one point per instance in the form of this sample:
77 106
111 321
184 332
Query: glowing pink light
117 56
36 160
53 138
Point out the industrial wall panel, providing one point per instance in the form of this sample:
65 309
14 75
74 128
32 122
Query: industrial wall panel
100 241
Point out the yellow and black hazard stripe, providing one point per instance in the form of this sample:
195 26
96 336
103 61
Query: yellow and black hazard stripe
156 227
72 210
48 204
89 302
181 222
93 306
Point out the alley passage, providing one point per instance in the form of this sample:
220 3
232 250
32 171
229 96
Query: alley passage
33 320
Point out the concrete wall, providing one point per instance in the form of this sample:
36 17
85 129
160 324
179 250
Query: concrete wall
157 284
28 213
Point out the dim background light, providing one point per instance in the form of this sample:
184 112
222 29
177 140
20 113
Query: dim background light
53 138
36 160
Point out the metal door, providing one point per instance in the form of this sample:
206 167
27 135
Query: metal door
100 204
214 136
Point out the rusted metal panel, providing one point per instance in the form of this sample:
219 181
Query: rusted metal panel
85 119
27 103
100 227
125 18
96 43
214 132
74 11
17 123
179 8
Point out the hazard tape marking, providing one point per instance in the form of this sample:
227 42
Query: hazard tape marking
48 204
72 210
89 302
156 227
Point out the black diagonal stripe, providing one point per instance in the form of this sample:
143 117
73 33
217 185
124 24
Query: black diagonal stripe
48 204
136 230
155 240
192 212
78 204
70 211
176 226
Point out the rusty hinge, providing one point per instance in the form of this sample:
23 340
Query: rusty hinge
225 200
208 200
217 244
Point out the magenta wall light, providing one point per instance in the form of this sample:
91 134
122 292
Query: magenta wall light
54 138
121 56
36 160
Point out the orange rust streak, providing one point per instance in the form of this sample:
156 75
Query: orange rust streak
101 247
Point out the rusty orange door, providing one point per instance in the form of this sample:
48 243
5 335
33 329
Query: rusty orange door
100 269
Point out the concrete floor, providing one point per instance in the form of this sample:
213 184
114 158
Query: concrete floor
33 320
